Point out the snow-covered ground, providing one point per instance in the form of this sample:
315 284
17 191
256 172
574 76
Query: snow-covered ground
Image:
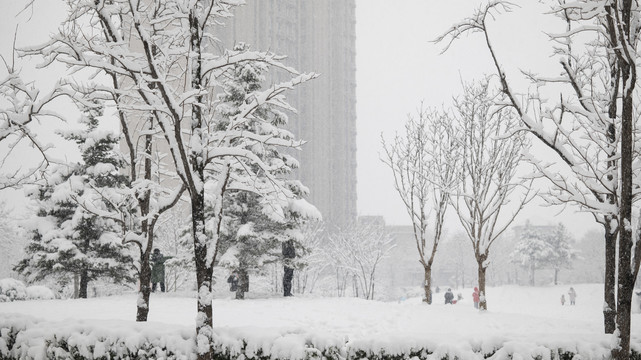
516 314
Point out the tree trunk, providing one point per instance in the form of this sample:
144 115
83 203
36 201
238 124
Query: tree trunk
483 300
76 285
609 285
288 276
84 284
144 276
556 276
142 307
428 284
625 280
624 308
204 272
289 253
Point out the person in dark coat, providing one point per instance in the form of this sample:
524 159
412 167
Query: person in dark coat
158 270
232 280
449 296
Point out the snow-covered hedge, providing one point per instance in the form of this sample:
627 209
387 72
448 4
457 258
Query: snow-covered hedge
12 290
23 337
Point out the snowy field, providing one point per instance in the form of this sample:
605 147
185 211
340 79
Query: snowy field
521 316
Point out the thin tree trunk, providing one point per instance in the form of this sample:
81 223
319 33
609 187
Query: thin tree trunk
625 280
84 283
289 253
144 276
609 285
76 285
483 300
204 272
556 276
288 276
624 308
243 284
142 307
428 284
532 271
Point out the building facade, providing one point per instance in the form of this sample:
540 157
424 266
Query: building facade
316 36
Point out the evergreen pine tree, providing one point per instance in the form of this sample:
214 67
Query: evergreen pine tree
256 232
562 252
532 251
68 239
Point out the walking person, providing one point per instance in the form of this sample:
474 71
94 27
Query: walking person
158 270
476 297
572 295
562 299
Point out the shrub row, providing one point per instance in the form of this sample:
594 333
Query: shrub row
26 338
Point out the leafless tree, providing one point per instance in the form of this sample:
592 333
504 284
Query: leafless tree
491 152
592 132
358 250
423 161
312 260
23 105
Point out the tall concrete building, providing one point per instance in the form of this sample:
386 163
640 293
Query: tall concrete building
316 36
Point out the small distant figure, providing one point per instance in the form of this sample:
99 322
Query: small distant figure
572 295
449 296
562 299
158 270
232 280
459 297
639 298
476 297
438 290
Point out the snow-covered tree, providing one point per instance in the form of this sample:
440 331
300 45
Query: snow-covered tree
533 250
67 239
164 69
563 252
255 234
358 250
590 128
21 106
248 242
311 258
424 160
487 199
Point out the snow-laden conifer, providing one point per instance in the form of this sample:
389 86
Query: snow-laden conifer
67 240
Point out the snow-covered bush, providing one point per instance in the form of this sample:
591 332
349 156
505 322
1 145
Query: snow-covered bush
12 289
39 292
23 337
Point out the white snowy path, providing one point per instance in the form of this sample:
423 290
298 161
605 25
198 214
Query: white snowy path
518 314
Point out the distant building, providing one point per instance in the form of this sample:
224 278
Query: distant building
316 36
